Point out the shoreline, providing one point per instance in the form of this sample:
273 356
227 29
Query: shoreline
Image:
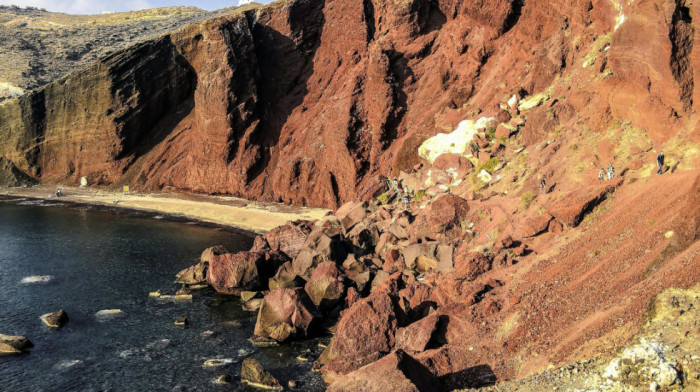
222 211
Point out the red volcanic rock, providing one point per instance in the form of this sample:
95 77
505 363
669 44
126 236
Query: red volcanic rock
231 273
447 212
397 371
209 253
416 337
351 214
365 332
470 265
536 225
573 206
288 238
455 165
325 287
285 314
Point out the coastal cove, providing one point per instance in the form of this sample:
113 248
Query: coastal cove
99 259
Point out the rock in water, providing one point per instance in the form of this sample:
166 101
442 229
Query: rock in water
284 314
56 319
181 321
109 314
37 279
14 344
253 374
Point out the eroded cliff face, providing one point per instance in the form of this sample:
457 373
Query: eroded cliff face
307 101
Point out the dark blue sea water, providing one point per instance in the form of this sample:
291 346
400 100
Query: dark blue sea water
112 260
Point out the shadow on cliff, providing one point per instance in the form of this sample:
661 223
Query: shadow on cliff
165 83
285 67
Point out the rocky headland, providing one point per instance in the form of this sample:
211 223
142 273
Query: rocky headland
459 144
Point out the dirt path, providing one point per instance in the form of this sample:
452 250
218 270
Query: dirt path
226 211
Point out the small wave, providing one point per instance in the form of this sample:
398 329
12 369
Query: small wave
67 364
158 217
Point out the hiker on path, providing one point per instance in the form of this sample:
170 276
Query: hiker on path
601 174
660 161
611 171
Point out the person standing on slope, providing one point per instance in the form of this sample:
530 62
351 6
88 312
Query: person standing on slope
601 174
660 161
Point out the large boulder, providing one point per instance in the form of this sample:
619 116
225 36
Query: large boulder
10 345
286 314
456 166
350 214
253 374
365 332
197 274
397 371
319 247
288 238
447 212
428 256
232 273
325 288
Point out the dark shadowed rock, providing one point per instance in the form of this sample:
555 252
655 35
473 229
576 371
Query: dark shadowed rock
197 274
350 214
253 374
397 371
285 278
285 314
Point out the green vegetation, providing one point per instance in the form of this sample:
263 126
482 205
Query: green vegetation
384 197
491 133
419 196
526 200
489 165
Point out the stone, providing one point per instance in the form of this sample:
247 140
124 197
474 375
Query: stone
285 278
211 252
455 142
194 275
223 379
351 214
325 287
416 337
397 371
447 212
533 101
364 333
425 250
217 362
155 294
288 238
10 345
470 265
55 319
536 225
232 273
286 314
106 314
181 321
253 374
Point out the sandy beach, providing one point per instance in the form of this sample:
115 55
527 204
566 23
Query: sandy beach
232 212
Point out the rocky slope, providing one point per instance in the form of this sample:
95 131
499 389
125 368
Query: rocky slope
38 47
308 101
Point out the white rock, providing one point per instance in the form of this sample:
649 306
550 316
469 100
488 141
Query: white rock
217 362
455 142
109 313
532 101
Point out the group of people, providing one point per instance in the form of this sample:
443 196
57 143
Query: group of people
405 194
610 170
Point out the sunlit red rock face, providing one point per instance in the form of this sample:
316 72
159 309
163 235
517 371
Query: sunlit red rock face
307 101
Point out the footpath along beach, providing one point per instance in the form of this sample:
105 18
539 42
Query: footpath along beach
257 217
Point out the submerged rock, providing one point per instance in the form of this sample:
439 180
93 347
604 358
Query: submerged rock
37 279
222 380
253 374
109 314
181 321
14 344
56 319
217 362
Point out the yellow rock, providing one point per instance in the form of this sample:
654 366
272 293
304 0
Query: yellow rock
668 234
